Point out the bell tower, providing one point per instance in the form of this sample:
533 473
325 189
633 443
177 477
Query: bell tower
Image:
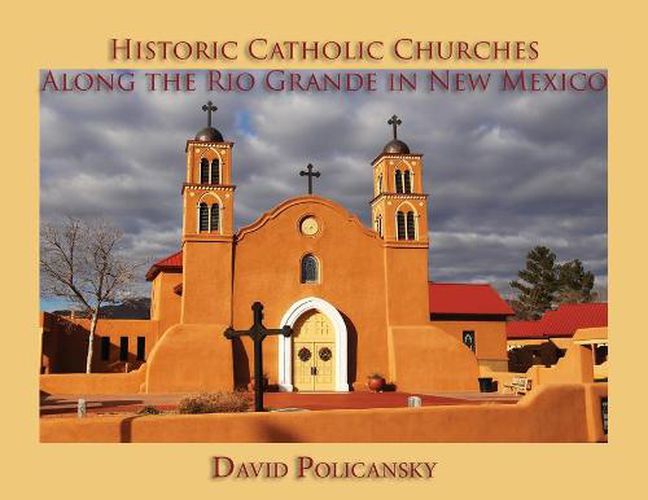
399 206
399 216
207 227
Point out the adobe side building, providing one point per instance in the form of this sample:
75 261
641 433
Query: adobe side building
358 298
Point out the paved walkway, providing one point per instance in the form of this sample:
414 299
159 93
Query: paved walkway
54 405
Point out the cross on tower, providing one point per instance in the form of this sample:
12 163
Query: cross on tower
257 333
395 122
209 107
309 172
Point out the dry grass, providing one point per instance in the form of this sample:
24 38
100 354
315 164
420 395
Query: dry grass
215 402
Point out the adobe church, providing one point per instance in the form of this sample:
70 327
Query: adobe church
357 298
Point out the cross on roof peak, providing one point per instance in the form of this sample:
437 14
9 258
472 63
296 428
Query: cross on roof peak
209 108
395 122
310 173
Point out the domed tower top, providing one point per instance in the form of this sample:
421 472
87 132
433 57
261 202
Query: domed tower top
395 146
209 133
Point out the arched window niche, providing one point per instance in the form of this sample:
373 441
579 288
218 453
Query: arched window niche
406 225
204 171
309 269
203 217
410 226
215 171
407 181
214 218
379 225
400 225
399 181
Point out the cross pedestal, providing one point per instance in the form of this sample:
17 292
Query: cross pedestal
257 333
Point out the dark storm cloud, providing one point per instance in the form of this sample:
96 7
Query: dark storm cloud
505 171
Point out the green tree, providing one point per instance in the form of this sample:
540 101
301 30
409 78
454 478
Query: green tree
537 284
544 284
575 283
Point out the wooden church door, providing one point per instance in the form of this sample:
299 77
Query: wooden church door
314 353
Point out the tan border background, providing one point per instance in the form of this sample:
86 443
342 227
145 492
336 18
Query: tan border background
571 35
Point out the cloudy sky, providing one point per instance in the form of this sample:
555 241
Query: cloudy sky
505 171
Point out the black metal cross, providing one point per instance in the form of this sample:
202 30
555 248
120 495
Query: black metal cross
309 172
257 333
209 107
395 122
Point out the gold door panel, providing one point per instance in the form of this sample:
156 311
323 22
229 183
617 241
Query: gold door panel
324 354
314 353
303 379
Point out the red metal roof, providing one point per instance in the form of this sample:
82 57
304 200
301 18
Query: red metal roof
562 322
466 298
171 263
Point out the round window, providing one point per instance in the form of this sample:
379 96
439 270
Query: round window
304 354
325 354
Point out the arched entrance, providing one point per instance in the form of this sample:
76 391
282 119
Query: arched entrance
315 358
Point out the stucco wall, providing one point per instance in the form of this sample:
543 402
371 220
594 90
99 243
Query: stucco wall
165 303
80 384
191 358
428 359
490 337
575 367
556 413
267 269
64 343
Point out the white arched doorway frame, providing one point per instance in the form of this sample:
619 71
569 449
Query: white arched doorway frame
285 343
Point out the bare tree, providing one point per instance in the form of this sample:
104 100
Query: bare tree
83 262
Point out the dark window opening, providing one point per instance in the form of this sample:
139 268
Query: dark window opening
399 181
204 171
309 269
105 348
215 217
141 348
123 349
400 225
468 338
408 181
600 354
204 217
215 171
411 228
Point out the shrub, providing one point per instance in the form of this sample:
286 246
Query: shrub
149 410
215 402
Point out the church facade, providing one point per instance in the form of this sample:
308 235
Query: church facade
356 297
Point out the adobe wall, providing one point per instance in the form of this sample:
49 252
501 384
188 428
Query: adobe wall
165 303
80 384
490 340
267 269
556 413
191 358
427 359
576 366
65 343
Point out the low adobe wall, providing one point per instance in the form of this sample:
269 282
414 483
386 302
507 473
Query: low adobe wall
575 367
556 413
93 383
